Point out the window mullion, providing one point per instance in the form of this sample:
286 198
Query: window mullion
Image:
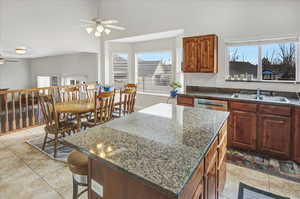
259 68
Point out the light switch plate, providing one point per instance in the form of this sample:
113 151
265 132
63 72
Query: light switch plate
97 188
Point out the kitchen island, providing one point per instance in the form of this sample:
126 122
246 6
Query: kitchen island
162 152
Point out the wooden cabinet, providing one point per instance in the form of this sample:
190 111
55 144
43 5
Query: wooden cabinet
185 100
275 135
243 129
296 136
200 54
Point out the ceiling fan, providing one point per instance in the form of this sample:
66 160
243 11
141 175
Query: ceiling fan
4 60
99 26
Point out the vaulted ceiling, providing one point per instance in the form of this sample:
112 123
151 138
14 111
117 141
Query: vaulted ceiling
46 27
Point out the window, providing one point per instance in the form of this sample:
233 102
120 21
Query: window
268 62
154 72
47 81
120 69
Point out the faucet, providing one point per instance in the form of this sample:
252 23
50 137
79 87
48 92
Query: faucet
258 96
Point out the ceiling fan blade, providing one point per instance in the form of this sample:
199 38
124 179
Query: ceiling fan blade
11 61
115 27
87 21
106 22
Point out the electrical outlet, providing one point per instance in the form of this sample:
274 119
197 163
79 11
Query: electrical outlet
97 188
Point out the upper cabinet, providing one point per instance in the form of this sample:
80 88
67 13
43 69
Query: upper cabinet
200 54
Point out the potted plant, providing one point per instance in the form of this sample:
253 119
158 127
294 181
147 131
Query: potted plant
106 88
174 85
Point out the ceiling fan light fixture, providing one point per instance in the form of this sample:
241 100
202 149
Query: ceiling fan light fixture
21 50
100 28
98 34
89 30
107 31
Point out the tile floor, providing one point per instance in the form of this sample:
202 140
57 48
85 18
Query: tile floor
26 173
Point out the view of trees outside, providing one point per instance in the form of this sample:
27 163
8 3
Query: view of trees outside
154 72
278 61
243 61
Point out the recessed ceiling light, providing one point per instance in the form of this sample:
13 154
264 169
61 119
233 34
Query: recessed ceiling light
21 50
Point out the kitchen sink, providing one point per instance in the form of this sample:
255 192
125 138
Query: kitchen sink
263 98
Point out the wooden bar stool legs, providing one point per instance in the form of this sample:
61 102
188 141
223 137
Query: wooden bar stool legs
78 165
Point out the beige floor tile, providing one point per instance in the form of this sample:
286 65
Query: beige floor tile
29 187
44 166
60 180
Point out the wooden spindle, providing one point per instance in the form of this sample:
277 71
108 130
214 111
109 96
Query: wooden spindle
20 111
33 108
27 114
13 111
38 111
6 127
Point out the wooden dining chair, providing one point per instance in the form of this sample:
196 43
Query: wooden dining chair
103 109
131 86
54 125
126 102
70 94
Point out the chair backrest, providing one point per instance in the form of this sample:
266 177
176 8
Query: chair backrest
70 94
128 100
131 86
104 105
48 109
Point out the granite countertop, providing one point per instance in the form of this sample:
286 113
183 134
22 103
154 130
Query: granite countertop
161 145
226 95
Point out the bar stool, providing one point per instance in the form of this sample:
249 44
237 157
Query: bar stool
78 165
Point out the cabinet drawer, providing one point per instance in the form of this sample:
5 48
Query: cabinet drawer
275 110
242 106
185 100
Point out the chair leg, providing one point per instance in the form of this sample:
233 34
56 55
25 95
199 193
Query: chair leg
45 140
75 188
55 145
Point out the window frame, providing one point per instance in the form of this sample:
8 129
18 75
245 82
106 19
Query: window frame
154 51
259 44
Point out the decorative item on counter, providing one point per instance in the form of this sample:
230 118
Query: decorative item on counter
174 85
236 77
107 88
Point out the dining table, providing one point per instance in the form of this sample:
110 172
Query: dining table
80 107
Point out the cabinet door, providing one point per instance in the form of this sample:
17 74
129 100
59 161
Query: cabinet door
212 179
200 54
206 52
242 131
275 134
190 55
296 136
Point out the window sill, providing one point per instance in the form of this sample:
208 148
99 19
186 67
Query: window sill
155 94
265 81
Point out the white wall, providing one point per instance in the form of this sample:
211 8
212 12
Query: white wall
15 75
229 19
79 64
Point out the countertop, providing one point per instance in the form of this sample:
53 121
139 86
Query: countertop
226 96
161 145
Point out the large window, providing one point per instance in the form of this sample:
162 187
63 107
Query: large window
120 69
154 72
267 62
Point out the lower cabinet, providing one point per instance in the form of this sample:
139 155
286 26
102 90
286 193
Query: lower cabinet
275 135
243 130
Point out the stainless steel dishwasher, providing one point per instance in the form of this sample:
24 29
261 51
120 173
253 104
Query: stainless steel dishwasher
211 104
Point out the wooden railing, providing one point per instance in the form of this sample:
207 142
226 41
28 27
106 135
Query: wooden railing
20 109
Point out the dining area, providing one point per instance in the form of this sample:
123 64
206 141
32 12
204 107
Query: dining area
77 108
